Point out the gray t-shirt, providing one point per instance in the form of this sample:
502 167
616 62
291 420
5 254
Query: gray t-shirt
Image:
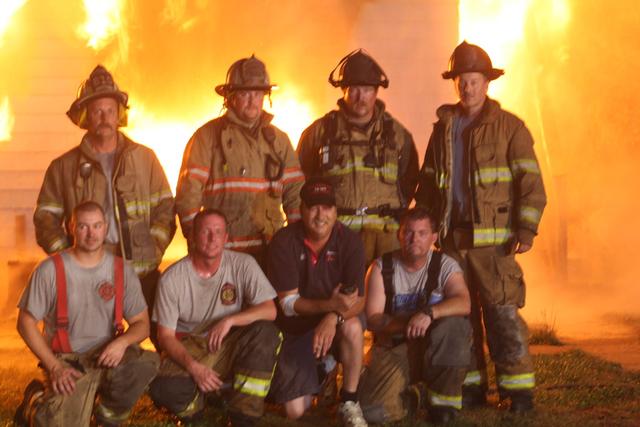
410 285
186 302
90 300
107 161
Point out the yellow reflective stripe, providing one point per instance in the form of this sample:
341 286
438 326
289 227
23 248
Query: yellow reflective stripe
193 406
251 385
525 165
142 266
517 382
54 208
530 215
475 378
110 415
490 236
442 180
388 171
369 222
58 244
160 232
436 399
489 175
159 196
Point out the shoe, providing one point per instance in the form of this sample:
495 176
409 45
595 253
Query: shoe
473 396
442 414
521 403
34 390
351 414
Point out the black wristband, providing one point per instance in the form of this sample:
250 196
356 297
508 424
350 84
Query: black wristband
339 317
428 310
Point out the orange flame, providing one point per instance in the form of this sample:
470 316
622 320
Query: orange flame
8 9
6 120
105 20
291 114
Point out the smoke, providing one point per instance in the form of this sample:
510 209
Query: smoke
577 91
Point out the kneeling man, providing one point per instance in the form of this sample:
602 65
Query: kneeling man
317 268
214 310
416 307
82 295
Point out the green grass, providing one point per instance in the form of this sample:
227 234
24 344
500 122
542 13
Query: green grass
573 389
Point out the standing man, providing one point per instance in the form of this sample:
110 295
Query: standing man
481 179
214 311
125 178
317 268
82 295
242 165
368 155
417 307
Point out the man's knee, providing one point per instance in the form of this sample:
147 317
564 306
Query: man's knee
351 330
175 393
450 342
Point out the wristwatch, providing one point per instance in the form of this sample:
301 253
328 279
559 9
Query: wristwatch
339 317
429 312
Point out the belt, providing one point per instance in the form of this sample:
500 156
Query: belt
382 210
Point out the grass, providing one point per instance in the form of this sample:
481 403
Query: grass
573 389
544 333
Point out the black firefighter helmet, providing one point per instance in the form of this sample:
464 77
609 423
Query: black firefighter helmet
468 58
358 69
246 74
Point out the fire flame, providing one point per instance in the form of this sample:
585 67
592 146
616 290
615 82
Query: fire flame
168 136
8 9
6 120
105 19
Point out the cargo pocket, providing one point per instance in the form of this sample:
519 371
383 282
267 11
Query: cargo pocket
142 239
126 190
512 281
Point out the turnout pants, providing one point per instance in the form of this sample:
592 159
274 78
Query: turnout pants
118 389
378 242
497 289
247 358
439 360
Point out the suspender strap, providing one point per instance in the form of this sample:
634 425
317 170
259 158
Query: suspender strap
60 342
433 273
118 278
387 279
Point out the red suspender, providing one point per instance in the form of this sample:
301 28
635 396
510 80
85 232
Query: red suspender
60 343
118 278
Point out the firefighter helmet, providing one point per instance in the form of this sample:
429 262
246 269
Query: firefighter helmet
248 74
468 58
358 68
100 84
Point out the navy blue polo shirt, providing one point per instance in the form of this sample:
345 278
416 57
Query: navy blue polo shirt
292 264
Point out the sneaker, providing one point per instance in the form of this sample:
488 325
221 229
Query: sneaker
34 390
351 414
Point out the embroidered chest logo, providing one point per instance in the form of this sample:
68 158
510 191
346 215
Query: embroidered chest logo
228 294
330 256
106 291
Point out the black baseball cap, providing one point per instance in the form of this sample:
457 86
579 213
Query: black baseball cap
318 191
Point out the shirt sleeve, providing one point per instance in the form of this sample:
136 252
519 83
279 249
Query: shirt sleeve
39 297
256 286
134 302
448 266
282 266
165 310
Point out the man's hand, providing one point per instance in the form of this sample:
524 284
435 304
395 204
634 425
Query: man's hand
418 325
218 332
324 334
522 248
112 353
343 302
518 247
205 378
63 379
